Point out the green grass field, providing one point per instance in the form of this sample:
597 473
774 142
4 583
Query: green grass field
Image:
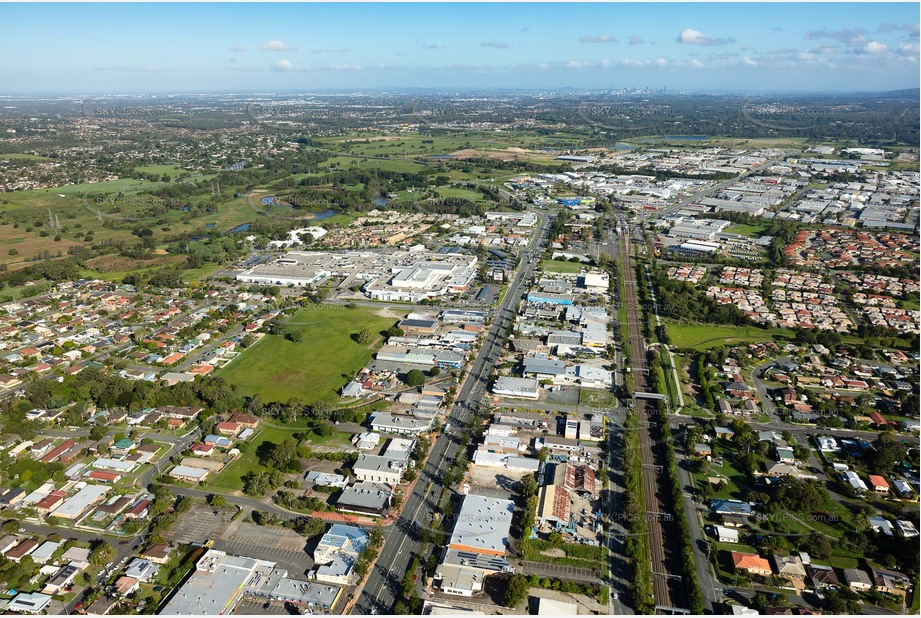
231 477
561 266
743 229
705 336
316 367
595 398
22 157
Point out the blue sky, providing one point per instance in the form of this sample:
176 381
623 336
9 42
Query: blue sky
109 48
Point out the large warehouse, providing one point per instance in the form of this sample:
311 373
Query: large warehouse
411 275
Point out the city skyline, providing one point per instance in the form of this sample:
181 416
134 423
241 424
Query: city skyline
135 48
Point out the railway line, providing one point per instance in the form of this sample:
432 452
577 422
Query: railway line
668 589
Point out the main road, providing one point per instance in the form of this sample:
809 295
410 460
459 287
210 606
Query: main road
401 541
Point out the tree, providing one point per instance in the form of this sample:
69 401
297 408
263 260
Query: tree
101 552
281 456
217 501
434 372
365 336
323 430
98 432
414 378
516 591
296 335
705 490
887 453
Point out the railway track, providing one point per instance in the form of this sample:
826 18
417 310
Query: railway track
668 590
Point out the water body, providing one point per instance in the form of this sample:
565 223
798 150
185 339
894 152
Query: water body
623 146
272 200
315 216
381 201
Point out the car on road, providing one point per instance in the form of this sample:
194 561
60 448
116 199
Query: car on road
615 596
78 605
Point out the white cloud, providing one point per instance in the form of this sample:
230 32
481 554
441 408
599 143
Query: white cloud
432 46
909 49
689 36
277 46
494 45
324 50
749 62
237 49
875 47
604 38
697 64
634 40
283 65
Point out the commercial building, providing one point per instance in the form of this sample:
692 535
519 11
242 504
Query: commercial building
188 474
526 388
217 584
365 498
385 422
477 546
423 275
337 552
79 503
553 505
483 525
378 469
326 480
543 368
550 298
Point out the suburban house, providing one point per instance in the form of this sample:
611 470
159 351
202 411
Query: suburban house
879 484
789 567
753 564
857 580
822 576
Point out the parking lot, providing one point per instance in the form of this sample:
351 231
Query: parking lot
564 395
200 523
545 569
269 537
